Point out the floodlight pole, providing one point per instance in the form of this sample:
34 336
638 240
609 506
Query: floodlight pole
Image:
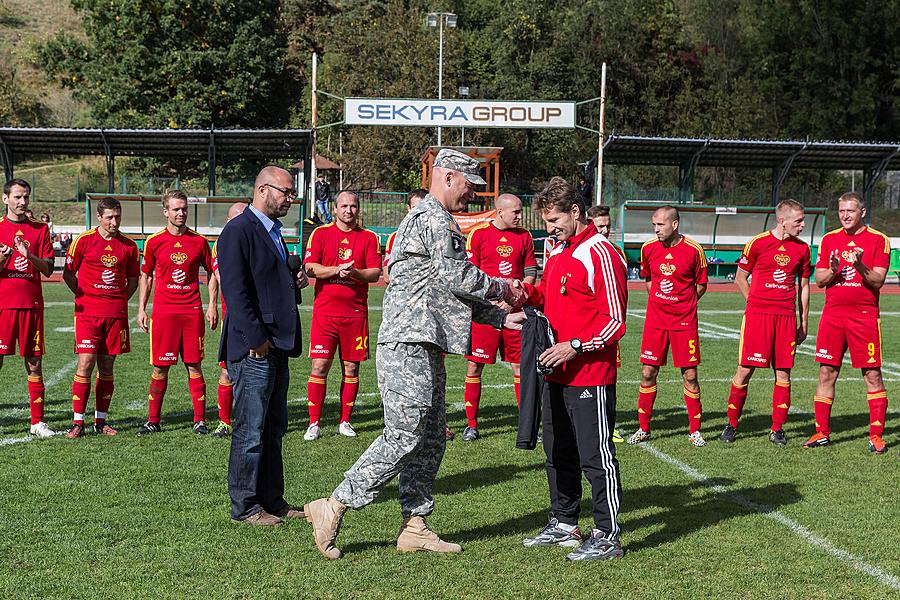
599 190
311 184
436 19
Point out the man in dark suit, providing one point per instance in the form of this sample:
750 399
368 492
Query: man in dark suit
261 329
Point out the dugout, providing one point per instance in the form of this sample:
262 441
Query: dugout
721 230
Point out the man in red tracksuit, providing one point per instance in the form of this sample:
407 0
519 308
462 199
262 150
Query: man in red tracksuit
583 293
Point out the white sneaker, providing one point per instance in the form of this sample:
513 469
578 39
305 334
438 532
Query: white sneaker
639 436
41 430
345 429
312 432
696 439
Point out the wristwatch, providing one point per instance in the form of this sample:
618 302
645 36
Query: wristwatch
576 345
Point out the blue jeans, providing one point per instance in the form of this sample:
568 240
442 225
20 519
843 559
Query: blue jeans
255 466
322 209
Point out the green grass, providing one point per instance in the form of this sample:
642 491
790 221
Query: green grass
126 517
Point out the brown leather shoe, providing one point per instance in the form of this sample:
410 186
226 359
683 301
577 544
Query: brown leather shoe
415 536
325 515
261 518
290 512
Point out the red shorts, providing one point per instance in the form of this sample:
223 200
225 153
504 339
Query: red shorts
350 333
861 334
25 325
685 347
171 335
486 341
768 340
102 335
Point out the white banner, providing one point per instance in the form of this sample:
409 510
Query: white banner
459 113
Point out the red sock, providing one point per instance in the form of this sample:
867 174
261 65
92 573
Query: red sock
516 385
877 412
472 396
694 409
822 408
197 387
103 392
226 400
158 384
781 402
81 391
349 390
646 398
315 393
36 398
736 399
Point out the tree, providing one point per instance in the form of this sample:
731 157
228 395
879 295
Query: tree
168 63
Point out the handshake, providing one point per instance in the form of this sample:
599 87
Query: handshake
514 297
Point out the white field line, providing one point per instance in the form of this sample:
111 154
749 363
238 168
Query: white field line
810 537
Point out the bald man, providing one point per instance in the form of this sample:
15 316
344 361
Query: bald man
344 258
500 248
260 332
225 391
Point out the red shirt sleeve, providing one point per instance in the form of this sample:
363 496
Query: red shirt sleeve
149 261
748 257
473 247
133 268
610 291
806 267
75 254
206 257
645 264
882 253
530 258
702 268
314 248
372 255
45 246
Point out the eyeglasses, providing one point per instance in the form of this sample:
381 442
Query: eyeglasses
288 192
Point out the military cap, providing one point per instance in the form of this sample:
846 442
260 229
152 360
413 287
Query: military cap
457 161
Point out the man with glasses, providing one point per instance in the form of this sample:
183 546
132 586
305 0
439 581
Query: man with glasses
261 330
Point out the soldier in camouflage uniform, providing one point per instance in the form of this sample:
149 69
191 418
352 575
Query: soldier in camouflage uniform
434 293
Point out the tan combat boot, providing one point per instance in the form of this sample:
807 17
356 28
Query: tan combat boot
325 515
415 536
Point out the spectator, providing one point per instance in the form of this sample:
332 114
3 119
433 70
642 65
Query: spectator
323 195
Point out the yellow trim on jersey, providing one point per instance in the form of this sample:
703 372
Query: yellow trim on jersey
753 239
472 231
215 249
741 342
375 235
887 241
74 243
698 248
313 232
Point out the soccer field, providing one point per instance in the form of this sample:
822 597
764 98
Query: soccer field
130 517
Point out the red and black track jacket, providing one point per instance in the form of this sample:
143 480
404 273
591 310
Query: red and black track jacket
584 292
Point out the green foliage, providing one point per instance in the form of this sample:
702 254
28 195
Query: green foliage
176 64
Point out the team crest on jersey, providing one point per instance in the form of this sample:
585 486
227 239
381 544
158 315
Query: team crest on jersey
345 253
179 258
667 268
504 250
109 260
782 259
849 255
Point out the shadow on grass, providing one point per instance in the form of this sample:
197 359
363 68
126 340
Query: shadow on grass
681 510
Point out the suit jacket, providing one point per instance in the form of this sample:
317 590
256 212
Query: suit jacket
260 290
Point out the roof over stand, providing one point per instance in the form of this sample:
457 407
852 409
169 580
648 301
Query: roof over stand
262 143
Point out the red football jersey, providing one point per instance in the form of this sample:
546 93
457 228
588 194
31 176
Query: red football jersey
501 252
329 246
215 267
387 250
103 267
20 281
674 274
174 261
848 295
774 266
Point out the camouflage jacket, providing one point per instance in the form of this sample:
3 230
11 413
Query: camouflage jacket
434 291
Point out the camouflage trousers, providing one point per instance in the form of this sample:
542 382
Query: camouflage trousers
412 381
